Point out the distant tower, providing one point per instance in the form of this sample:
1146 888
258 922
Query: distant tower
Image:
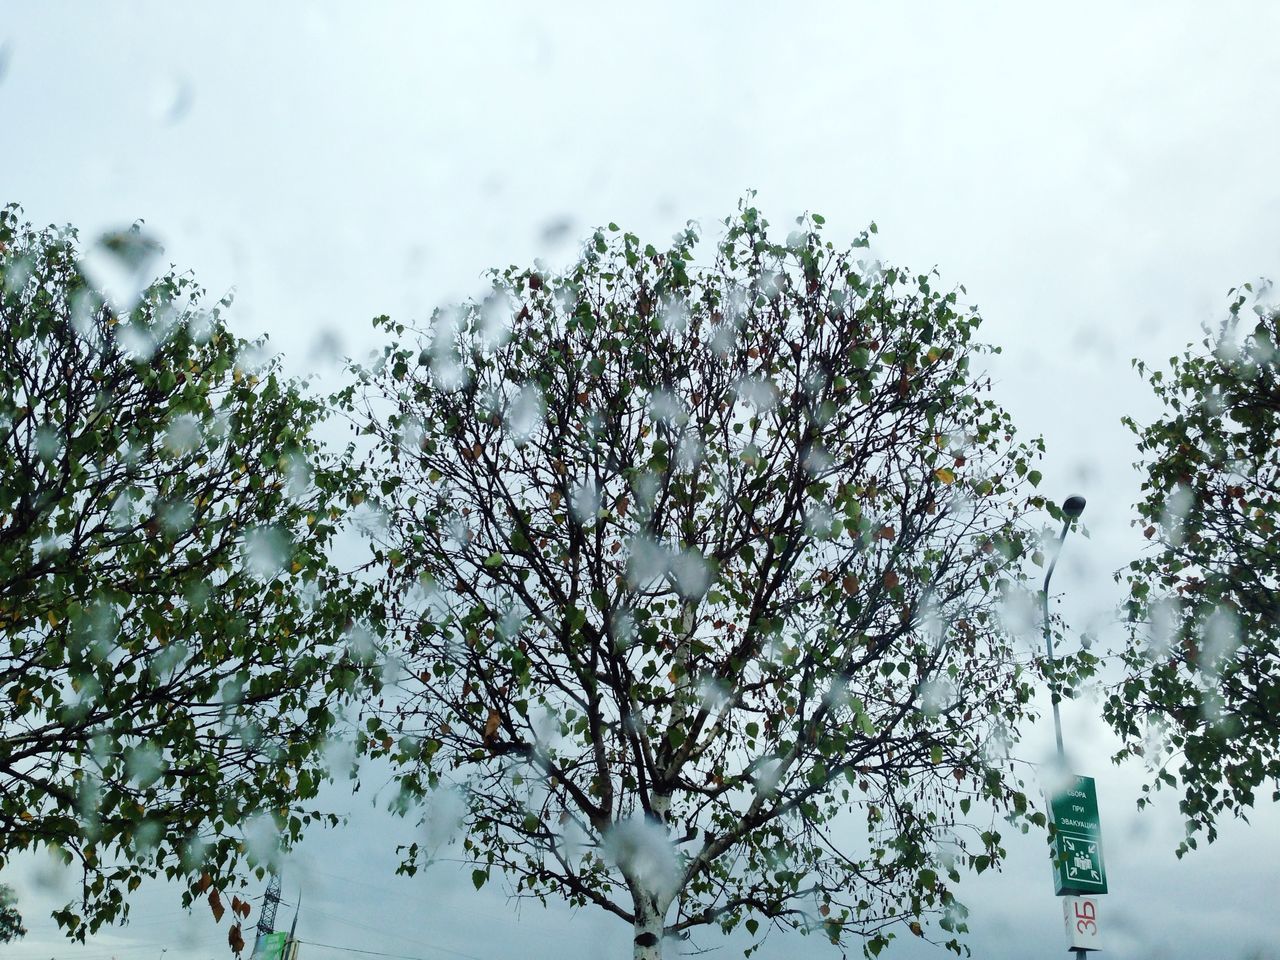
291 944
267 915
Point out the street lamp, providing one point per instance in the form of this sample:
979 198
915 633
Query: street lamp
1079 875
1071 510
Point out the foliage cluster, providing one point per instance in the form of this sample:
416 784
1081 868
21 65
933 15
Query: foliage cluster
172 631
1202 692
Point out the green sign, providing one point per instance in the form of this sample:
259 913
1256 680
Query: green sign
270 946
1078 869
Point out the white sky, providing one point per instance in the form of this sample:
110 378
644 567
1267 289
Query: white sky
1097 179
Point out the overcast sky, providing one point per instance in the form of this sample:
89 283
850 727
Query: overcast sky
1096 179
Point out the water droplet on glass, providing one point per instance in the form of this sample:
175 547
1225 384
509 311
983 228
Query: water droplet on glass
1220 638
758 392
326 348
643 851
624 628
193 853
767 775
86 307
584 501
48 442
674 316
513 621
339 758
693 574
556 230
298 470
200 326
146 836
495 320
820 522
266 551
254 358
168 661
647 562
446 808
183 434
724 339
446 358
713 694
817 460
120 265
689 452
666 408
370 520
171 99
936 695
17 273
361 643
525 414
262 841
49 873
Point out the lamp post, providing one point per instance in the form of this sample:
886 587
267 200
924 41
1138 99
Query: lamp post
1071 510
1079 875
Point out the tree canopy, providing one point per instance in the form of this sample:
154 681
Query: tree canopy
1201 696
694 573
11 927
172 632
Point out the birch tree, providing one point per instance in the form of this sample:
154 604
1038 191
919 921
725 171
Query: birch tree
693 569
172 632
1201 694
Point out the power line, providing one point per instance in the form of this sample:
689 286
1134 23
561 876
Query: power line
100 952
384 932
393 956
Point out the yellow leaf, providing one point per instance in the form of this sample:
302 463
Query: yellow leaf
945 476
491 724
53 620
296 566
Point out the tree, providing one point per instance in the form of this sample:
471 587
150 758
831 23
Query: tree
11 927
171 628
690 569
1201 695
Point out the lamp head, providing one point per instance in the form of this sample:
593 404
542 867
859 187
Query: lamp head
1073 506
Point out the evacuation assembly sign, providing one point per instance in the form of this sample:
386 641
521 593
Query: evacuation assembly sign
270 947
1077 844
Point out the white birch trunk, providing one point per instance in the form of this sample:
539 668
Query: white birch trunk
648 930
650 910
